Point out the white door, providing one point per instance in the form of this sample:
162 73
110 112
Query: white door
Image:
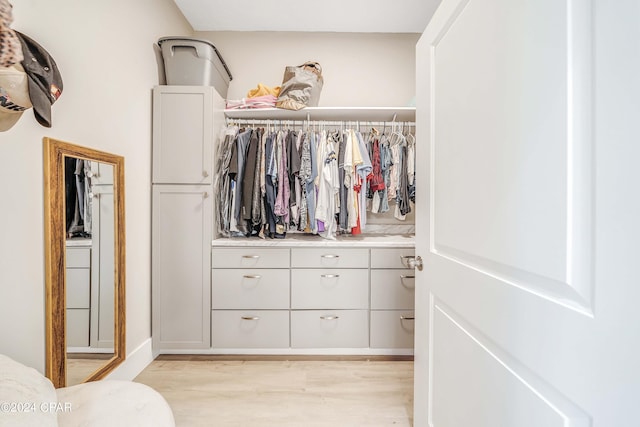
529 215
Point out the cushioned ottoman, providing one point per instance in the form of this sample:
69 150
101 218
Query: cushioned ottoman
27 398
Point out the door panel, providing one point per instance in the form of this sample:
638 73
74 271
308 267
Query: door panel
514 210
526 298
460 353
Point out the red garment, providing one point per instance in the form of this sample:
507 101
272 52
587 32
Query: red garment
377 181
357 187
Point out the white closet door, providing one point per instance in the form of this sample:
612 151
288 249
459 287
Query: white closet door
528 215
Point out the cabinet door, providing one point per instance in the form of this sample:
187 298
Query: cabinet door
183 134
181 233
102 266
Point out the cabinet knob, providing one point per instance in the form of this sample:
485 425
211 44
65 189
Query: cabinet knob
412 261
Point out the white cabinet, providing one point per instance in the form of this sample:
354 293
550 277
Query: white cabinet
392 298
183 132
184 123
78 295
250 297
330 299
181 232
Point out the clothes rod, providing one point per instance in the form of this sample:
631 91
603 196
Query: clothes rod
278 122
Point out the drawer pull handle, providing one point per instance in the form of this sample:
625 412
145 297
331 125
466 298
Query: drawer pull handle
407 318
406 259
252 276
250 318
250 256
329 317
330 276
330 256
411 285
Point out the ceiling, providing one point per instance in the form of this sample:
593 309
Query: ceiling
366 16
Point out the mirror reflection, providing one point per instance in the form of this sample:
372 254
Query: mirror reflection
84 262
89 226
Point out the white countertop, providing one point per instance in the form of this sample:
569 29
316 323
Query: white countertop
301 240
78 243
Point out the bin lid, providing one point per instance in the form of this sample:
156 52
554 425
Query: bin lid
190 39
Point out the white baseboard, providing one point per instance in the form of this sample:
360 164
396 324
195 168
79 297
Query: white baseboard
134 363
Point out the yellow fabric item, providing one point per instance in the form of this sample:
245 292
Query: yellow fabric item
262 90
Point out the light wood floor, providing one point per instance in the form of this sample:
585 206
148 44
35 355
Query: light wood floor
80 366
342 393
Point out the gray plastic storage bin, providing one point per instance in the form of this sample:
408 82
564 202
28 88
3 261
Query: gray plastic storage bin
194 62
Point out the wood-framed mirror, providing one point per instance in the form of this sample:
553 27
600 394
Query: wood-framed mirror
84 262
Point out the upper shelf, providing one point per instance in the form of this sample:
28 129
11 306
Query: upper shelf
370 114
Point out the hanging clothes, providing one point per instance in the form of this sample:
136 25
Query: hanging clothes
77 200
270 182
329 186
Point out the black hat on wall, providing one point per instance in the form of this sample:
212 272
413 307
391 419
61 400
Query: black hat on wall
45 81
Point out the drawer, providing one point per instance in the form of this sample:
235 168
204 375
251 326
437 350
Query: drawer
78 287
329 329
77 327
392 329
250 289
250 329
250 258
78 258
392 289
330 289
329 258
390 258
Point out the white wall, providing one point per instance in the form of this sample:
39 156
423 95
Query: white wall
105 53
359 69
